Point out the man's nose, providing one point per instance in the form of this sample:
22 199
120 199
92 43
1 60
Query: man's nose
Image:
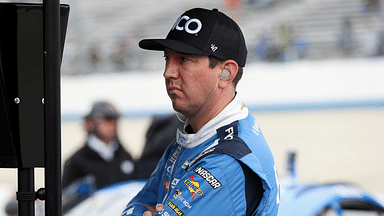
171 70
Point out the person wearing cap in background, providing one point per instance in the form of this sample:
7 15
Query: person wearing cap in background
220 164
102 157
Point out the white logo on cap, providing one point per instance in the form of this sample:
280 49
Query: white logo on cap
186 26
213 47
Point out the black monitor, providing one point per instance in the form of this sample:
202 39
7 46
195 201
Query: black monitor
22 83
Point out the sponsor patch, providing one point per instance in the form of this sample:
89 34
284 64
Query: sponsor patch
208 177
230 133
242 105
177 194
175 181
194 187
163 213
185 165
175 208
175 154
166 184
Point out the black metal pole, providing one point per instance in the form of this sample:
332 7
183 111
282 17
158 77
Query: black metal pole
26 188
52 112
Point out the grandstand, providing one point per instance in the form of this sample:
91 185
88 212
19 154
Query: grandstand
321 20
102 24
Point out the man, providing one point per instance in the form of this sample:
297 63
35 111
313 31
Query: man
220 164
102 157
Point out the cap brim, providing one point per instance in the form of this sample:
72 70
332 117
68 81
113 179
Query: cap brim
161 44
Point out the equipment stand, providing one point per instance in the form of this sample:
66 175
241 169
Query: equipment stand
26 194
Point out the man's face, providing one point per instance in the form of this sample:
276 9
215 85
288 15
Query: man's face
189 81
107 128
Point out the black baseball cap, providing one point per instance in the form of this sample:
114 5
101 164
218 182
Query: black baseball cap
103 109
203 32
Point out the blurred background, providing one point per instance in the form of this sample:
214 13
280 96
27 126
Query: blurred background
314 79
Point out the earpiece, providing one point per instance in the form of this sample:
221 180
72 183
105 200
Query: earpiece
224 74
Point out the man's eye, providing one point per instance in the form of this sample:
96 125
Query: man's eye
183 58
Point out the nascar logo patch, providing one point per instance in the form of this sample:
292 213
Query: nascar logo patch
208 177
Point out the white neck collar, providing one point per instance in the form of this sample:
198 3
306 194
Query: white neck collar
235 110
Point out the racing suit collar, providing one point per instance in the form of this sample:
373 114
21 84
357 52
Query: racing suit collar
235 110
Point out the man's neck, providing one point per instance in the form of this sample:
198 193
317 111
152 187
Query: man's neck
210 110
105 140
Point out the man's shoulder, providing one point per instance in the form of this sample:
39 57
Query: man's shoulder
221 161
231 140
79 154
244 133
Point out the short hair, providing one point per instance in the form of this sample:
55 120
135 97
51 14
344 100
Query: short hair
213 61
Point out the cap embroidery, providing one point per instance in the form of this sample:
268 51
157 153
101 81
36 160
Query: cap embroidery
186 25
213 47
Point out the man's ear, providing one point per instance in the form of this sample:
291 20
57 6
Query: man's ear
229 72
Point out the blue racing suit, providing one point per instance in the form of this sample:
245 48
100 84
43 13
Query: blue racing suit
202 174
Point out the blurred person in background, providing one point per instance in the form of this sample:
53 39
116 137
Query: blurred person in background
263 43
371 7
159 135
302 43
284 36
122 53
372 38
102 157
95 58
347 41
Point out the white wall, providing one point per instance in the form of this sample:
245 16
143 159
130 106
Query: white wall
287 86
